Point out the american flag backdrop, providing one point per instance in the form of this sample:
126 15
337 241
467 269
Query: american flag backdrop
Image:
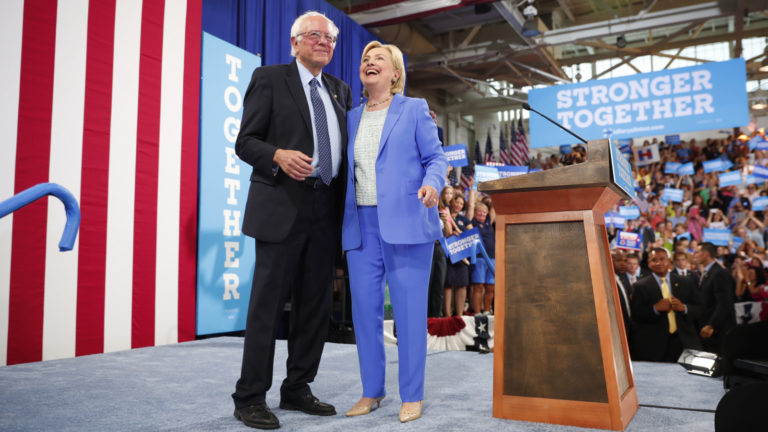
504 156
101 97
519 147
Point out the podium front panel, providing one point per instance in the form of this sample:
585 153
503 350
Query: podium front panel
551 342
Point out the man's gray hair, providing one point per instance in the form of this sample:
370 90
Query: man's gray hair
298 25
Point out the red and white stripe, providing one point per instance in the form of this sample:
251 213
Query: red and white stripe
100 97
519 148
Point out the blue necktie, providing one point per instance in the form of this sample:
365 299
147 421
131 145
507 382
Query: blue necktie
324 168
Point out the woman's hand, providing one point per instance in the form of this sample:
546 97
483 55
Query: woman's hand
428 196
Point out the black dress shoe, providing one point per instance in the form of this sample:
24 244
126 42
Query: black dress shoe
257 416
306 402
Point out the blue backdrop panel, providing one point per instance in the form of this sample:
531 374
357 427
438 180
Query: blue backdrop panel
225 256
707 96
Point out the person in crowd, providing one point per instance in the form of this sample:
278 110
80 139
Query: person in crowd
748 276
682 266
457 274
396 167
481 275
663 306
716 292
634 270
292 213
716 219
438 273
619 269
754 230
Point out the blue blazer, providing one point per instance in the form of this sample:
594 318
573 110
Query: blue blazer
410 156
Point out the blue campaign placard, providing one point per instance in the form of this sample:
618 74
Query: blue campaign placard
752 179
718 237
457 155
225 256
760 171
629 240
702 97
735 243
621 171
485 173
759 203
725 163
762 145
754 142
712 165
459 247
615 220
512 170
565 148
685 169
629 212
729 178
672 139
671 167
672 194
685 235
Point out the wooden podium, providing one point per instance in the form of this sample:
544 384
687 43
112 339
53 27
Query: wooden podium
561 352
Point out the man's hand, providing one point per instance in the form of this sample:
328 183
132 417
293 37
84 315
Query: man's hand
706 332
428 196
676 304
294 163
663 305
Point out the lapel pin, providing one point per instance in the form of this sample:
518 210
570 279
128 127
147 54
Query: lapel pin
335 96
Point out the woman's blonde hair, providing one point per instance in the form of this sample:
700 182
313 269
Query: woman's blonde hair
397 61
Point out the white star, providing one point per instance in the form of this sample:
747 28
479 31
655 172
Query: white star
481 327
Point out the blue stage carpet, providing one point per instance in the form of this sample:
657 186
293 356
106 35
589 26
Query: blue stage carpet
187 387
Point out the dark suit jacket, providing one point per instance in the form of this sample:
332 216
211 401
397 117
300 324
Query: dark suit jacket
651 330
624 305
693 274
716 292
625 281
276 116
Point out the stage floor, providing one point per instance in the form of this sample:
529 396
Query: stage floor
187 387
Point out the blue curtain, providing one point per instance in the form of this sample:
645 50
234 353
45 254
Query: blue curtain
264 27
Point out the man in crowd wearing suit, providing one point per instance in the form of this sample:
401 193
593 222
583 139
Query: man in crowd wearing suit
663 306
293 134
634 271
682 267
716 290
619 269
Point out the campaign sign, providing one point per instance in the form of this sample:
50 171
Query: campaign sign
512 170
629 240
718 237
729 178
712 165
647 155
725 163
762 145
457 155
671 194
754 141
748 312
735 243
760 171
752 179
565 148
672 139
629 212
685 235
485 173
672 167
621 171
225 256
459 247
615 220
759 203
706 96
685 169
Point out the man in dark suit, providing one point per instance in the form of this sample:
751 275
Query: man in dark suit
716 290
682 267
634 271
663 306
293 134
619 269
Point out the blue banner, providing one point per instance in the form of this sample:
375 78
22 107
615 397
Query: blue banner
671 194
565 148
713 165
629 240
735 243
718 237
760 171
225 257
485 173
759 203
615 220
707 96
762 145
457 155
671 167
621 171
755 141
629 212
459 247
729 178
685 169
672 139
512 170
752 179
685 235
725 163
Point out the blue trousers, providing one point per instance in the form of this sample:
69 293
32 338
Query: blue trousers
405 267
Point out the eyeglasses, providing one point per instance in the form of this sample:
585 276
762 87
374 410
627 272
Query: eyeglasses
315 37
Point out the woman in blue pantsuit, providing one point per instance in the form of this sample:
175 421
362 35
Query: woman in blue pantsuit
396 167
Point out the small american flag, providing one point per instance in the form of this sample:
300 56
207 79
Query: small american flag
452 180
520 146
504 155
467 173
488 149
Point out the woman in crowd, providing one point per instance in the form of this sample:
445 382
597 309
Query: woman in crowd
481 275
396 167
457 275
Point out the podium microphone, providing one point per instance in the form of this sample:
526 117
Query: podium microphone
528 107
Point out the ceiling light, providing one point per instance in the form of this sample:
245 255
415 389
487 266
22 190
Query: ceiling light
621 42
531 26
760 104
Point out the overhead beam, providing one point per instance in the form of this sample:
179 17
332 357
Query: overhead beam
566 10
470 36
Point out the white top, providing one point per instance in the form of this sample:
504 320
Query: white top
366 151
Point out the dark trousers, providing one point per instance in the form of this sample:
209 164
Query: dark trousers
300 270
436 282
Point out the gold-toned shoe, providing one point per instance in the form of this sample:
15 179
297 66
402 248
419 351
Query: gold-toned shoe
361 408
407 415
